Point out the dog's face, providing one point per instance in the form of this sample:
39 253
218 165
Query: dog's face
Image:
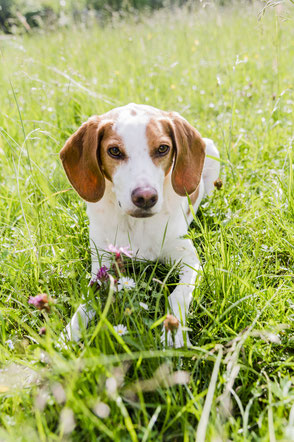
134 147
136 153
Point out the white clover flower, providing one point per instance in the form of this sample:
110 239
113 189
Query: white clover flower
144 306
125 282
120 329
120 250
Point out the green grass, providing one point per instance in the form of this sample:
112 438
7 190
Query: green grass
231 76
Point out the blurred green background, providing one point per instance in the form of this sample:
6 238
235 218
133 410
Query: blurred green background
17 16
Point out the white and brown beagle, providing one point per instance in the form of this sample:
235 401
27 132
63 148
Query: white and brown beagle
135 166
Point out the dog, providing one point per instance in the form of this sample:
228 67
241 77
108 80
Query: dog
135 166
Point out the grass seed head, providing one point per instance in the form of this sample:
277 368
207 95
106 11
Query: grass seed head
218 184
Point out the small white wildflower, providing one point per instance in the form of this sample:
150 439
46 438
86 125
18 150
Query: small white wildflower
59 393
111 386
41 399
10 344
273 338
120 329
101 410
144 306
67 420
125 282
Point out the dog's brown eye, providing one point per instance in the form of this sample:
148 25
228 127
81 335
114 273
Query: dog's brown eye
114 152
163 149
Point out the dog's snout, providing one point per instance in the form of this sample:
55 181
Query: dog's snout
144 197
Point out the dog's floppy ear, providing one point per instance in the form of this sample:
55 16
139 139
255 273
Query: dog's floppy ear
189 156
79 157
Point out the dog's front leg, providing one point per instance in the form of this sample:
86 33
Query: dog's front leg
82 316
182 251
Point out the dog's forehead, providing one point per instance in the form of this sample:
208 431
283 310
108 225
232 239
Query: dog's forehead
131 121
135 110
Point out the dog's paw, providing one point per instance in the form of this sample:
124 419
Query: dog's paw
176 339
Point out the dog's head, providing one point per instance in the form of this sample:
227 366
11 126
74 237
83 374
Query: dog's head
134 147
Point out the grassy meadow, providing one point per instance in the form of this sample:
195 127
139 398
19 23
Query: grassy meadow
231 76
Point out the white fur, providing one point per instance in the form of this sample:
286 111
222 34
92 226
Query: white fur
110 222
140 169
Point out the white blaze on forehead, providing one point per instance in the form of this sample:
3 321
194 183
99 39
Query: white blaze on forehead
134 116
135 109
131 128
138 170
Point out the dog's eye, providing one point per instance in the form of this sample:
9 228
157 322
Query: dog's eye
114 152
163 149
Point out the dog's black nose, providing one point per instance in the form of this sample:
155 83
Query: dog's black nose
144 197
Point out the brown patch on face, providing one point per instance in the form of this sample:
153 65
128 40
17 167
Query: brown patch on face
158 133
133 113
110 139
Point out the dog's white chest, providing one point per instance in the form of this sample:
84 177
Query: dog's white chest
145 237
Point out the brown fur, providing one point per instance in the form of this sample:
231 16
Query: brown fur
86 161
190 155
188 149
79 158
157 133
110 139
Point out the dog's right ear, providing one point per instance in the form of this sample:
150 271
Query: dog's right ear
79 157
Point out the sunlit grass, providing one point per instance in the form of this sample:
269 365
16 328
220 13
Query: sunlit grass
231 76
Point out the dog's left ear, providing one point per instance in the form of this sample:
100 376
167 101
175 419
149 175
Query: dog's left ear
189 156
